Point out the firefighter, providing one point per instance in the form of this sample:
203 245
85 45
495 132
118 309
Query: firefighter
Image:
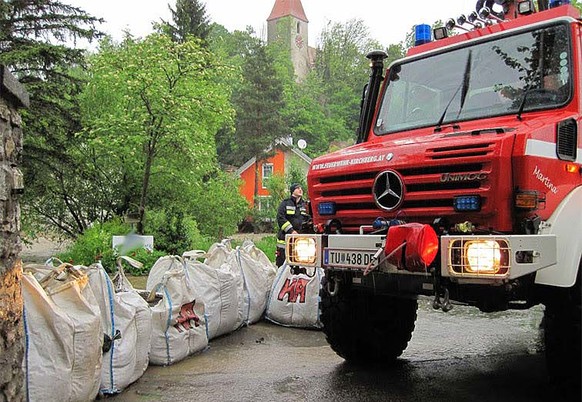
291 216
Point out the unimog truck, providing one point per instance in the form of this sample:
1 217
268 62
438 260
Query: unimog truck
465 185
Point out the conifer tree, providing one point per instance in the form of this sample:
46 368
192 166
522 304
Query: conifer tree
37 40
188 18
258 103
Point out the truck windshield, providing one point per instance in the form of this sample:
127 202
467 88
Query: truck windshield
526 71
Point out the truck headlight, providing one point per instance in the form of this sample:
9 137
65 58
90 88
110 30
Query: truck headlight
301 250
483 256
480 257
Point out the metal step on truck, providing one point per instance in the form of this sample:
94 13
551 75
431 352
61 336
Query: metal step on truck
465 184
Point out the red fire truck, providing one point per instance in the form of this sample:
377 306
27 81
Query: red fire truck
465 185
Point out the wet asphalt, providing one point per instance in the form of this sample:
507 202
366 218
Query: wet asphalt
462 355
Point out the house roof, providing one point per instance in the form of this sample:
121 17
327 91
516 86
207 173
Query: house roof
285 145
284 8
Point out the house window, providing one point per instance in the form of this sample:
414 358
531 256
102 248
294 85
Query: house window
298 28
264 203
267 173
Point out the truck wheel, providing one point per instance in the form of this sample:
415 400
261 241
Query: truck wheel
366 328
562 338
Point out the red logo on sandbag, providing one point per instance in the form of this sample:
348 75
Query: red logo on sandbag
294 289
186 316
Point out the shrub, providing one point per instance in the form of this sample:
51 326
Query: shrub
146 257
174 232
95 245
218 207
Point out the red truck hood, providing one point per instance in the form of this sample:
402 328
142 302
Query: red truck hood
433 169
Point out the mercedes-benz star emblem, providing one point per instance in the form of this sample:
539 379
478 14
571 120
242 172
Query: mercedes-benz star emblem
388 190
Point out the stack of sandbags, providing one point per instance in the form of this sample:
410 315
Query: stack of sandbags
64 336
233 285
127 323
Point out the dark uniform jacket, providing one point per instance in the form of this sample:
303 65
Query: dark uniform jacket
290 216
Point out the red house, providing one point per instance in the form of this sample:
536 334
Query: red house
278 164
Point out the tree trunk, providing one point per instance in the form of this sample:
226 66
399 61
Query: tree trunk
11 185
144 189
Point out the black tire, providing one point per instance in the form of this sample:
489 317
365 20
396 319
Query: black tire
562 339
366 328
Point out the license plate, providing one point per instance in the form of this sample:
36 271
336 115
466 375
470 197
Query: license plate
348 258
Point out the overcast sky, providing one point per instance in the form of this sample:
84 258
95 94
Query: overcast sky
388 22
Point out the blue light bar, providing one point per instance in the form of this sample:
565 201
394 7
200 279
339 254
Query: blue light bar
467 203
326 208
556 3
422 34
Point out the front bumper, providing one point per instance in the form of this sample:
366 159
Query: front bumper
468 259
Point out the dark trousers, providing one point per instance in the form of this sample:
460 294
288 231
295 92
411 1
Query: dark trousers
279 256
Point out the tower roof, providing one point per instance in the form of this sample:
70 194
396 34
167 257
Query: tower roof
284 8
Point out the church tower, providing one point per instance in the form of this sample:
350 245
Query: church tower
288 24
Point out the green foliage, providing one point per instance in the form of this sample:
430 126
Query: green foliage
152 107
394 52
174 232
296 174
217 206
258 103
95 244
189 18
343 69
36 39
146 257
321 109
268 244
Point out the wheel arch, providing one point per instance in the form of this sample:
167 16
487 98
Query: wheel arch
566 224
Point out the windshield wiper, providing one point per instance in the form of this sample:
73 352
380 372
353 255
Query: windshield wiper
465 88
466 81
522 104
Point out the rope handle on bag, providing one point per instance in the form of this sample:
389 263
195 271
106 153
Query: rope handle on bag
154 292
65 267
194 255
51 262
120 279
133 262
72 275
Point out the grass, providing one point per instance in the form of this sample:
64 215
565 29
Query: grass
268 245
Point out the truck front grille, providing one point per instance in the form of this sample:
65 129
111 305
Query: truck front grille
429 188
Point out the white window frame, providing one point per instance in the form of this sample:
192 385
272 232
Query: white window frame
263 177
264 202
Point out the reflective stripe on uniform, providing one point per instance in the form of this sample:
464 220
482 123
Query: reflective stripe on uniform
286 226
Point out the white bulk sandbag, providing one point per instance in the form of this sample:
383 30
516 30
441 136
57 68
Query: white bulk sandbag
179 327
221 290
221 256
218 253
127 325
68 289
143 317
259 255
160 267
294 298
257 278
49 353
